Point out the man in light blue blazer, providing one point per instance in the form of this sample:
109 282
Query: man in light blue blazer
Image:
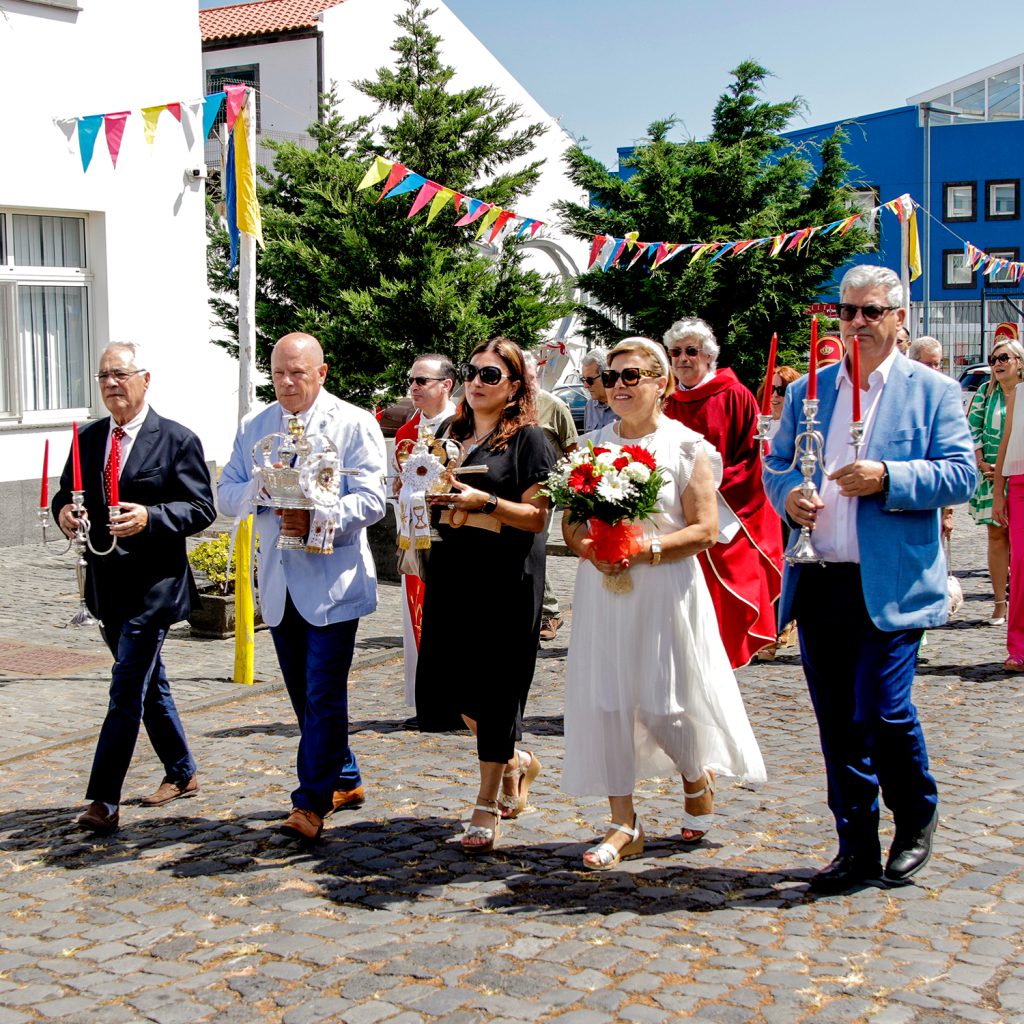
313 602
862 612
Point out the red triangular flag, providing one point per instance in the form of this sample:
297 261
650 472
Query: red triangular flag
459 197
236 100
398 172
595 248
175 109
501 220
113 125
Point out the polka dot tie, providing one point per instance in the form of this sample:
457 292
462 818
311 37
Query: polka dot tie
113 461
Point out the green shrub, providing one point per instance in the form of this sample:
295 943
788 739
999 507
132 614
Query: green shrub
211 559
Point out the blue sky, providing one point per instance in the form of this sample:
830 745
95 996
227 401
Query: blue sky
608 68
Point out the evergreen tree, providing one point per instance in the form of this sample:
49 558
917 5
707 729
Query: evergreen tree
744 181
374 287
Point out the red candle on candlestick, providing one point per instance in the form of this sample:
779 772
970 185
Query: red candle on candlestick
766 397
44 489
76 460
856 378
812 366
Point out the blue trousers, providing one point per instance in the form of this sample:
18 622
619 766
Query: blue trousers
315 661
139 692
859 678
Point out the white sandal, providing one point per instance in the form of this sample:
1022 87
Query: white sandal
607 856
697 825
512 806
476 832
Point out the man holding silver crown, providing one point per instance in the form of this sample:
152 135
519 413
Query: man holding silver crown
318 484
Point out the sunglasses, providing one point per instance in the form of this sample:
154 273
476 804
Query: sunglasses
1003 357
421 381
630 376
690 350
488 374
779 389
591 381
871 314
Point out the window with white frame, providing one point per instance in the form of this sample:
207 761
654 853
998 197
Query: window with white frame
1006 275
1003 202
864 199
956 271
45 280
958 200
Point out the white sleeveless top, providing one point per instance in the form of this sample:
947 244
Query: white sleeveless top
1013 461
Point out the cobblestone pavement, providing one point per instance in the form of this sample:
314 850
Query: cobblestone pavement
199 911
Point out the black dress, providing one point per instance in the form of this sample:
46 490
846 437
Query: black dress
482 607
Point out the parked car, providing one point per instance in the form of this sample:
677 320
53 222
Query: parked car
575 396
972 379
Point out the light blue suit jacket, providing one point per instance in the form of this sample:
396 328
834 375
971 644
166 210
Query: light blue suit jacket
921 434
324 588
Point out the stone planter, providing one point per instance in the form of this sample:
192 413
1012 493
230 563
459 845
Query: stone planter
214 616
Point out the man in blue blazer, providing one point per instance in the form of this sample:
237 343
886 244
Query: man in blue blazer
862 612
312 601
145 584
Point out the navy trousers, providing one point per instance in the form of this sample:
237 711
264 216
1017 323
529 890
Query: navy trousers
859 678
315 661
139 692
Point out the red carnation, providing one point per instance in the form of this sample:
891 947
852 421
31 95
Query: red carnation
621 462
601 451
641 455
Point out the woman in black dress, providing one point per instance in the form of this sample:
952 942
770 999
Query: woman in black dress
485 580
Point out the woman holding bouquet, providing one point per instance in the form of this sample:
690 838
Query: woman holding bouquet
493 526
649 688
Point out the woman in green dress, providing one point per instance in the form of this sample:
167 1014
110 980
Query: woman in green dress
986 416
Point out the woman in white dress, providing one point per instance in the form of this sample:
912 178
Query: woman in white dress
649 688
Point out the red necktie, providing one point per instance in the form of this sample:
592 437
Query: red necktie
113 464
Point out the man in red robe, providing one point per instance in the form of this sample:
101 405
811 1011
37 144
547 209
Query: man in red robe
744 574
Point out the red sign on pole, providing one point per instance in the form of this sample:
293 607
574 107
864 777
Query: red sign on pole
822 309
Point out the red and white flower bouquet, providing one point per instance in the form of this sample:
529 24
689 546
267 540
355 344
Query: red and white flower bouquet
613 488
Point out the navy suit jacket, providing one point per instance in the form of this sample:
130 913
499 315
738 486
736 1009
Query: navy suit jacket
146 580
921 434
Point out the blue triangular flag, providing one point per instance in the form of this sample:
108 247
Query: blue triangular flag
409 183
231 202
211 108
88 129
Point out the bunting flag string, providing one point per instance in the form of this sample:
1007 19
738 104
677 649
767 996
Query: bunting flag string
400 180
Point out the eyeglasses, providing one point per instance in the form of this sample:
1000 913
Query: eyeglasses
1003 357
779 389
630 376
690 350
118 376
872 314
591 381
421 381
488 374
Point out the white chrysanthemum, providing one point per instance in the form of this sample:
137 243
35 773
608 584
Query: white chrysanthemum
637 471
605 460
607 490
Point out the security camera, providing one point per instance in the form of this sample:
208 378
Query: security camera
196 173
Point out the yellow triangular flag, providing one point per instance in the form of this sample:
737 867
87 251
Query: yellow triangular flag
488 219
378 171
247 206
437 204
914 258
150 116
245 628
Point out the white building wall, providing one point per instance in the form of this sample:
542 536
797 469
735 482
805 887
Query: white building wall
146 219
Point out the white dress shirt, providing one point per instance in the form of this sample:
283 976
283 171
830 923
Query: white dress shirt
835 529
131 431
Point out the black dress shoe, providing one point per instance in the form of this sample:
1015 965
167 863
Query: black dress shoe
909 852
412 724
846 871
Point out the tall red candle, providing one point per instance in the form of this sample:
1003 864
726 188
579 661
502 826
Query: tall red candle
76 460
812 365
115 472
856 378
44 489
766 398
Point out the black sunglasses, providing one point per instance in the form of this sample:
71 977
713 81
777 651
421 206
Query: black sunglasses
872 314
590 381
630 376
488 374
1003 357
779 389
690 350
421 381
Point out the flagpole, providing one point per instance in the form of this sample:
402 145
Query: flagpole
247 287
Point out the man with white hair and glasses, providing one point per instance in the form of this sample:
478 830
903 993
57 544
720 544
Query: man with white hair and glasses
744 575
881 580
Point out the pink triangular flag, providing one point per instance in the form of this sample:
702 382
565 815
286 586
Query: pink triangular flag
235 102
535 227
113 125
175 109
425 194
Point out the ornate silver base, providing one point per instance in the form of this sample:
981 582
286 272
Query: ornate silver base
290 543
803 552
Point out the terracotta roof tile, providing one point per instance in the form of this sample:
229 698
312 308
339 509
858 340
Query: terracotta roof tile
261 17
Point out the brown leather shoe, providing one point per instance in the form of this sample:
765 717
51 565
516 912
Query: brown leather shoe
550 627
96 819
347 800
302 824
168 791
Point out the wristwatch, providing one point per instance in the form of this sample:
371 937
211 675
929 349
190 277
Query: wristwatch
489 506
655 550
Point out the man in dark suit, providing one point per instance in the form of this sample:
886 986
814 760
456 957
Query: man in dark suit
145 585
